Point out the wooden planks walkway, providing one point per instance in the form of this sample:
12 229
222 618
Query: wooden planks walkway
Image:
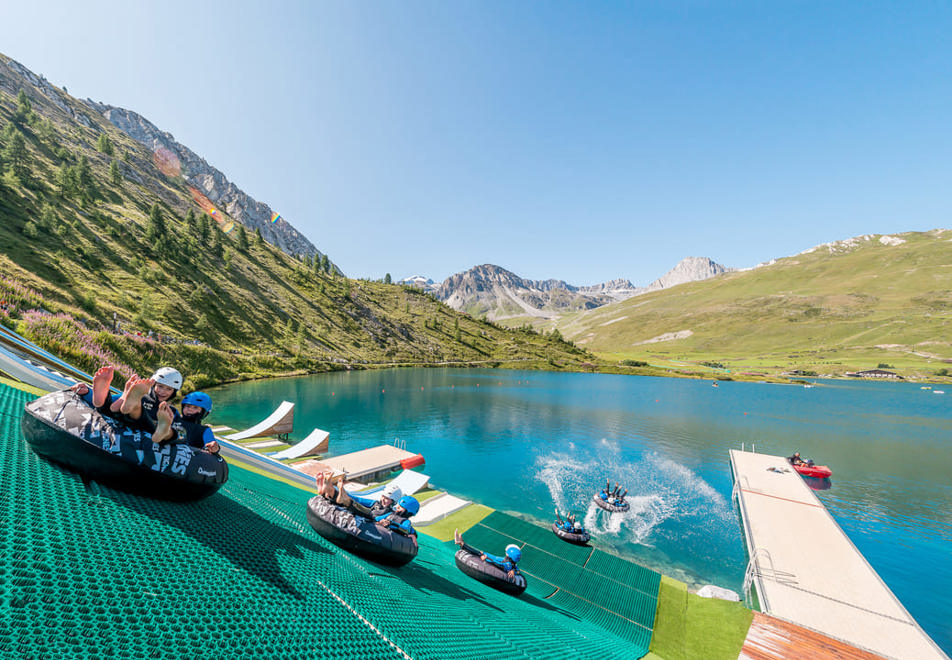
808 572
770 638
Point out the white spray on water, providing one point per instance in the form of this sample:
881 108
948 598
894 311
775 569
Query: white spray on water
658 489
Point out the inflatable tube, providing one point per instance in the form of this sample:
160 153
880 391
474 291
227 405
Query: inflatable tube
611 507
489 574
360 535
571 537
63 428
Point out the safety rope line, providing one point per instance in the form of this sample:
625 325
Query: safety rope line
365 621
347 605
777 497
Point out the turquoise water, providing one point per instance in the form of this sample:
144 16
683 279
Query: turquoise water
527 442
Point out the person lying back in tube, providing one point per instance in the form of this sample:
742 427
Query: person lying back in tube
138 406
507 563
570 524
386 513
188 429
145 405
398 520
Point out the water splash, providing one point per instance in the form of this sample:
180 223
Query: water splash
659 489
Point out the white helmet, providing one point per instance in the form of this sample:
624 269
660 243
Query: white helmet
578 525
392 491
169 377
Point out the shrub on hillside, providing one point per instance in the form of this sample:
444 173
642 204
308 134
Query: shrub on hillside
634 363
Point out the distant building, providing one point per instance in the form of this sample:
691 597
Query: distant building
874 373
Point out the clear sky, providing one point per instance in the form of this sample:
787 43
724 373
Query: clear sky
575 140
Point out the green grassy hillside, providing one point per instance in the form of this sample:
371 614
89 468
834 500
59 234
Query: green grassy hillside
847 306
93 233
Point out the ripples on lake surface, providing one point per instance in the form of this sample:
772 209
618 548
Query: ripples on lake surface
529 442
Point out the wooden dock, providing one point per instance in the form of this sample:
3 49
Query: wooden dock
807 571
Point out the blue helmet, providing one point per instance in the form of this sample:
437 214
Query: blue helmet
199 399
513 552
409 503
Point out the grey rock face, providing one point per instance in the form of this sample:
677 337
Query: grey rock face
690 269
497 293
210 182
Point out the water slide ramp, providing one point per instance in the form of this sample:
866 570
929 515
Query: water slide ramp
87 571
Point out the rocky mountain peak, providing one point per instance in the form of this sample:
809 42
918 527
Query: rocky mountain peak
175 158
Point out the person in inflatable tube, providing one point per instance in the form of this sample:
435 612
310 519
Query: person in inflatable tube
138 406
570 524
396 516
189 429
506 563
612 495
399 519
369 507
364 506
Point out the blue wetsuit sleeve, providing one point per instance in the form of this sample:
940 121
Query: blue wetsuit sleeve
365 501
382 516
208 435
498 561
407 527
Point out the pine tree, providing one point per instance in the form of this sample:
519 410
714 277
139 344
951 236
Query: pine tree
115 174
325 264
205 228
155 228
191 222
387 279
64 180
104 145
259 239
15 155
24 112
83 177
242 238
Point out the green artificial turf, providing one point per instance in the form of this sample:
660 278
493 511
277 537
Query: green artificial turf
688 627
462 520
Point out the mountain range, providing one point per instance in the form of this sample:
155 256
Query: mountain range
500 295
119 245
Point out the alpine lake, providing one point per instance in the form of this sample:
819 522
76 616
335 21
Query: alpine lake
528 442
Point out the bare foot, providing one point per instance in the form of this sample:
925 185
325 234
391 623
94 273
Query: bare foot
163 424
132 406
324 486
457 537
101 382
342 497
117 404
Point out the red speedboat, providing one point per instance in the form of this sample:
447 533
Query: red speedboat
818 471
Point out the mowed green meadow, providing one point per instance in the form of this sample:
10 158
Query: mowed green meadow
845 306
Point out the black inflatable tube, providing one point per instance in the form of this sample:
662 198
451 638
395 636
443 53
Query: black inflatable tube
571 537
610 507
360 535
490 574
63 429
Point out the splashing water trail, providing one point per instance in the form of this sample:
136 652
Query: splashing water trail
659 489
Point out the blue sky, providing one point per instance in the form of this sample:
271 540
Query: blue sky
572 140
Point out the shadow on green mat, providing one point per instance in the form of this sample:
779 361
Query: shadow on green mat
230 530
